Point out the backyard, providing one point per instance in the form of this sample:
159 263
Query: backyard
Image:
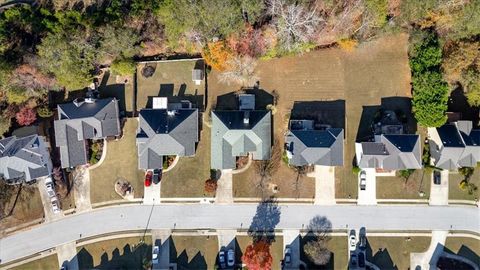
276 249
121 253
339 257
194 252
187 178
121 162
394 252
466 247
395 187
361 78
115 86
454 190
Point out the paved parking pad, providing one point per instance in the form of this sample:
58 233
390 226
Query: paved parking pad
439 193
369 195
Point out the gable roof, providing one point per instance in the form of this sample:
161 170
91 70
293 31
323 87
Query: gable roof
161 134
459 146
87 121
232 136
318 147
26 157
390 152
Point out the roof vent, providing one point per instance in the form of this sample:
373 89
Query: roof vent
171 113
78 102
246 117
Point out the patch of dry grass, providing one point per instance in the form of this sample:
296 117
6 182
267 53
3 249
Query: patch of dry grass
194 252
49 262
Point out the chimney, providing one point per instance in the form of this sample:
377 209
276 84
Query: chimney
246 117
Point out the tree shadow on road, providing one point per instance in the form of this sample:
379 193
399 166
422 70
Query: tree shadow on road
265 220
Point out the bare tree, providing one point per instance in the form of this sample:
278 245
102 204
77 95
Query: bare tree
317 252
241 70
294 22
266 168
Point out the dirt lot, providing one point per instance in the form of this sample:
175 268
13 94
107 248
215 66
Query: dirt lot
187 178
394 187
122 253
376 69
28 208
454 191
194 252
466 247
170 79
121 162
339 257
276 249
394 252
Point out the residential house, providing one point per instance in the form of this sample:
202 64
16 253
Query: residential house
166 130
391 149
454 145
310 144
82 120
24 159
240 132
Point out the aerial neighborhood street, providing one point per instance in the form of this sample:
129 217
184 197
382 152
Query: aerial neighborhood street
270 134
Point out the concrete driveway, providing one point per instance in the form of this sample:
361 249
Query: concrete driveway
81 185
151 194
46 201
421 261
369 195
67 255
324 185
224 192
439 193
161 238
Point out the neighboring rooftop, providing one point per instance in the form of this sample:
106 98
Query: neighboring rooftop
79 121
237 133
24 158
163 132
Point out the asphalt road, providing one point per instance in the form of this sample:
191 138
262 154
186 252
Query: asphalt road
236 216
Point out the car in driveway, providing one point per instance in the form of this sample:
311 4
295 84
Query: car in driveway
155 253
361 259
288 255
363 180
437 177
221 259
50 190
148 178
157 176
362 242
352 240
55 206
353 259
230 258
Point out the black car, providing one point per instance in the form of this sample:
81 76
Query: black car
361 259
157 176
437 178
362 241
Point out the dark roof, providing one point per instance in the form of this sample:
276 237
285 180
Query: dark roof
161 122
317 138
70 110
475 137
449 135
404 143
234 119
374 148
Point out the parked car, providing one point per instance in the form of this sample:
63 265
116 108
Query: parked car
148 178
363 238
288 255
55 207
157 176
353 242
50 190
221 259
437 177
155 252
230 257
353 259
361 259
363 180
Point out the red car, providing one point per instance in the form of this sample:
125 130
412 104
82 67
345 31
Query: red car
148 178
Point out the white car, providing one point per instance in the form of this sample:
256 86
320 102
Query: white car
50 190
155 251
55 207
353 242
363 180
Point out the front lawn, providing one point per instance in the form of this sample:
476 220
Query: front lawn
394 187
454 190
465 247
339 254
121 162
49 262
194 252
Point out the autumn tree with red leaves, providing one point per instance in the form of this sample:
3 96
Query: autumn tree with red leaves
257 256
26 116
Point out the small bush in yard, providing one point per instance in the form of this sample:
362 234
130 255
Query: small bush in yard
356 170
44 112
210 186
26 116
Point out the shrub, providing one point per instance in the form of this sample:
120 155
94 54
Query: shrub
217 54
26 116
123 67
210 186
356 170
347 44
5 123
406 173
17 95
44 112
285 157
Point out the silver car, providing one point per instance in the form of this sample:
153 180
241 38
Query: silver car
230 257
155 251
363 180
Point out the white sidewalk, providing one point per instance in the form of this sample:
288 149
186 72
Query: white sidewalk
67 256
421 261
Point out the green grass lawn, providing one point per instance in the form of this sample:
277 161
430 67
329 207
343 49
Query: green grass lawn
49 262
121 162
454 191
194 252
394 187
339 257
466 247
187 178
276 249
394 252
122 253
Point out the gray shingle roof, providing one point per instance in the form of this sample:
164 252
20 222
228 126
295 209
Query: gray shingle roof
88 121
317 147
161 134
390 152
232 137
459 146
25 157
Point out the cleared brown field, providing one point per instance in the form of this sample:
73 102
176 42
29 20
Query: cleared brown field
375 70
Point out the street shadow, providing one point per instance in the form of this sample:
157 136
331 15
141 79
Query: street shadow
458 103
264 222
196 262
330 113
467 253
230 101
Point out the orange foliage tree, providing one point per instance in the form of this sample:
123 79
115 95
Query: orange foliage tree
217 54
257 256
249 42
